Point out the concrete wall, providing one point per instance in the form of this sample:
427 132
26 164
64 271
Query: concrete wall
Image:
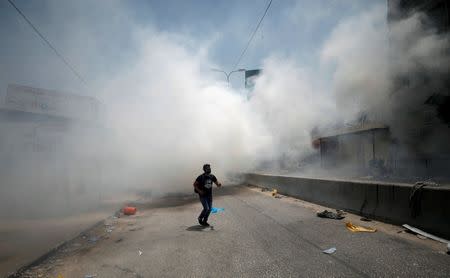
388 202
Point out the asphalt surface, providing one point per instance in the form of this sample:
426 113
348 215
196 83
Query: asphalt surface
256 236
23 239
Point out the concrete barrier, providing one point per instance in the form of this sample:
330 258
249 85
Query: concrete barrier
384 201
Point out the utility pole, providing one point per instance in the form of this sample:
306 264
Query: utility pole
227 74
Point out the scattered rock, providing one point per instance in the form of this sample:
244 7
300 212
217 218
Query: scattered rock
93 239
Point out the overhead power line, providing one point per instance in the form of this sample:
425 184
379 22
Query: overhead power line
48 43
253 35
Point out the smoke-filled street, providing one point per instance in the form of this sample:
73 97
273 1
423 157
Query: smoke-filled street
131 112
257 235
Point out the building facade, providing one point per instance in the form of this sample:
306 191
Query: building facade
46 150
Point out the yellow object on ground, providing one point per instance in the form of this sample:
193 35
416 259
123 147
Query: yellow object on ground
355 228
274 192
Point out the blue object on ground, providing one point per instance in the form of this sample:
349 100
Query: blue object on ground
216 210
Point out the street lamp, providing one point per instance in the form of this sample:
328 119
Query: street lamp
227 74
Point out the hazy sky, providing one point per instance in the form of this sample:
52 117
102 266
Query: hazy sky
97 37
149 63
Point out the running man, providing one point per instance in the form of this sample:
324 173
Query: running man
203 186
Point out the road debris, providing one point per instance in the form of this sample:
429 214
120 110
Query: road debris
365 219
93 239
140 252
216 210
329 214
129 210
330 250
425 234
274 192
355 228
109 228
341 212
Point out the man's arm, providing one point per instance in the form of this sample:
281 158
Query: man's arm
217 182
197 187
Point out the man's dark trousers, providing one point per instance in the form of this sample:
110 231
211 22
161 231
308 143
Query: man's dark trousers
206 201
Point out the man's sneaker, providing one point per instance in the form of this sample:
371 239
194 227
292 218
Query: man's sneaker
200 221
206 224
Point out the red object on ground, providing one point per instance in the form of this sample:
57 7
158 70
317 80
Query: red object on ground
129 210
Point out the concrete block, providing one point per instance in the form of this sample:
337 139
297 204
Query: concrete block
384 201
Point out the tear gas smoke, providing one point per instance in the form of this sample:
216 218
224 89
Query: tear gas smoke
164 114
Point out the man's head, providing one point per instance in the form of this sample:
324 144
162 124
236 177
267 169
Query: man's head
207 168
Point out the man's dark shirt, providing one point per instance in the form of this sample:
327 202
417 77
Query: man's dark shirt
205 183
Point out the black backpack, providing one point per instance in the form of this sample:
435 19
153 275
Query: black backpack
195 189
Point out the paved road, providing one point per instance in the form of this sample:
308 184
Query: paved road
23 240
256 236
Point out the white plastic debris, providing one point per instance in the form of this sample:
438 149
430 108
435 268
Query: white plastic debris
330 250
425 234
140 252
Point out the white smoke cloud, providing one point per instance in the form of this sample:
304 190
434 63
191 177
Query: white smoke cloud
170 117
292 102
166 114
358 49
388 71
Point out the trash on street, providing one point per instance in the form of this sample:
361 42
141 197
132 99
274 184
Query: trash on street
93 239
129 210
355 228
216 210
425 234
330 214
330 250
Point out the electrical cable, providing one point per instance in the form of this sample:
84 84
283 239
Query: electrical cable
48 43
252 36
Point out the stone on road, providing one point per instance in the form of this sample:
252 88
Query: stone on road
256 235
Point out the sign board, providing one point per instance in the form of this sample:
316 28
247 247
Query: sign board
40 101
250 78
